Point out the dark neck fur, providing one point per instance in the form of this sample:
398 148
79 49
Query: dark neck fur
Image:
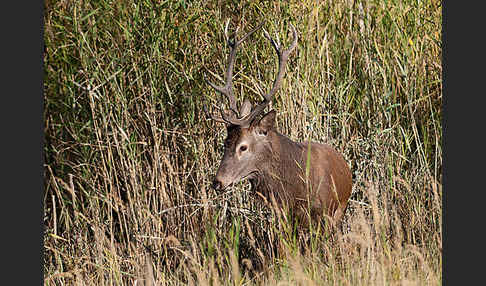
279 174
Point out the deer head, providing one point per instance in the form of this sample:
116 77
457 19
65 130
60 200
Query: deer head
248 143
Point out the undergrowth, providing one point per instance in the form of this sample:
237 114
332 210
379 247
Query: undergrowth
130 154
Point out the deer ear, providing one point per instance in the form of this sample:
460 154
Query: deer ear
267 122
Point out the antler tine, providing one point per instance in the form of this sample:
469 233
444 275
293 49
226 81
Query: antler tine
249 33
283 57
212 116
226 29
227 89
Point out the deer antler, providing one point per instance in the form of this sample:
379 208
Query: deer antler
227 89
247 117
283 57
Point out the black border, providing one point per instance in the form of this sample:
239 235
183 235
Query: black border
463 63
22 142
42 125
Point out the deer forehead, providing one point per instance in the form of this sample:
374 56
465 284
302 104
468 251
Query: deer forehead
239 136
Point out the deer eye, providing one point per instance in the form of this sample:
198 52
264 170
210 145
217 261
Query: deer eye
243 148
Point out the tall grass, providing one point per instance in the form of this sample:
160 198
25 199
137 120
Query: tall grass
130 154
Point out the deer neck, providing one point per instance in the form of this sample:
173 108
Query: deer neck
279 173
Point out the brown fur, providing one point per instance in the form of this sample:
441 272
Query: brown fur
276 166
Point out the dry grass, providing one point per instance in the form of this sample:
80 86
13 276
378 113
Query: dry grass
130 154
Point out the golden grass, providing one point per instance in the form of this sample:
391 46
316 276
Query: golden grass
130 155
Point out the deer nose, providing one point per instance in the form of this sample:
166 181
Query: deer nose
217 184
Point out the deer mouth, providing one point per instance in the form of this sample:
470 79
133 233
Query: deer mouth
217 185
251 175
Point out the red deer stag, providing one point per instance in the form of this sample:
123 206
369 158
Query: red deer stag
275 165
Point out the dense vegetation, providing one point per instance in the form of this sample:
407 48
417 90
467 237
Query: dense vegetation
130 153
